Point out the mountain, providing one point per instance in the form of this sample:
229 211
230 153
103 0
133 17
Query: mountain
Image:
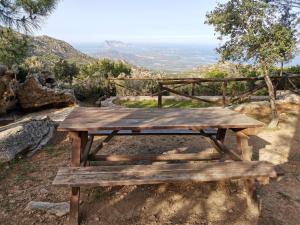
114 44
45 45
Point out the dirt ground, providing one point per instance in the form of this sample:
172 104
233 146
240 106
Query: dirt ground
222 203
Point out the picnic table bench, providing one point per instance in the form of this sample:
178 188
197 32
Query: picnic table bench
83 124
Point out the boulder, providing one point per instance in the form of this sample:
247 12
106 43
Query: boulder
40 91
8 89
59 209
24 136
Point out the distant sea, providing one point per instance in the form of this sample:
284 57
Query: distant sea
162 57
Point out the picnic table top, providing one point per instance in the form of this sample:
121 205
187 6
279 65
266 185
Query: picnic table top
92 119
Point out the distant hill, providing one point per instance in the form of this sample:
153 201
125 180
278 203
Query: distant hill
45 45
115 44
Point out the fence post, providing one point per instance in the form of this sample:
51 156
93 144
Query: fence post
159 99
193 89
224 90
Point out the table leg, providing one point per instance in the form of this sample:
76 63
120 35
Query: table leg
242 146
79 140
221 133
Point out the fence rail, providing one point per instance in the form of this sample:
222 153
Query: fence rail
285 82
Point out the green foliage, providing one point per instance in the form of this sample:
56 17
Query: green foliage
65 71
293 69
91 87
167 103
92 80
36 64
252 30
13 47
105 68
25 14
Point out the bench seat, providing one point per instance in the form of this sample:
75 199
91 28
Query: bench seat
162 173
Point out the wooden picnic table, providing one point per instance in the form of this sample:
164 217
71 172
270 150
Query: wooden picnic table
84 123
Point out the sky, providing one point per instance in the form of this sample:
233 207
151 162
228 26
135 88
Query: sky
135 21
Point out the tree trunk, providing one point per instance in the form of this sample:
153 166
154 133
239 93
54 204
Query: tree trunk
70 81
281 69
275 118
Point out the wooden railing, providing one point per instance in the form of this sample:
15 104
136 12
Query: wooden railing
284 82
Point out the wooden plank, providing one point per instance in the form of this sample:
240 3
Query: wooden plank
152 174
205 155
93 119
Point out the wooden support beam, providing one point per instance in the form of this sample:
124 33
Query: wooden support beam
220 147
221 133
242 146
79 140
86 151
246 131
188 96
296 90
106 140
232 154
200 156
242 96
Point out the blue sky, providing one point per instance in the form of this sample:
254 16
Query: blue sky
154 21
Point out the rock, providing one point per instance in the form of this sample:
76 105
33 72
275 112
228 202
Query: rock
59 209
44 191
8 88
40 91
288 97
24 136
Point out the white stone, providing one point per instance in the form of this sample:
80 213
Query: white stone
59 209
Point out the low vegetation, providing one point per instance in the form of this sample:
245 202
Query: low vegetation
167 103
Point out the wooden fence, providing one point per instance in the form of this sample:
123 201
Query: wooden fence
169 85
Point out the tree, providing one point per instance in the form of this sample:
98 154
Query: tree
289 11
105 68
13 47
253 32
24 14
65 71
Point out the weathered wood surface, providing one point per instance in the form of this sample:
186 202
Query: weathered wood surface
79 141
204 155
92 119
165 173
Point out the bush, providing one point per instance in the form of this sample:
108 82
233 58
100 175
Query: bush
105 68
293 69
91 87
92 81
